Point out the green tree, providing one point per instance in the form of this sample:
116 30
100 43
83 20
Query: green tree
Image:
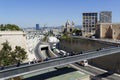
9 57
2 28
10 27
5 54
77 32
20 53
65 36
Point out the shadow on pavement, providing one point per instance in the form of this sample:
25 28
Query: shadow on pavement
104 75
48 75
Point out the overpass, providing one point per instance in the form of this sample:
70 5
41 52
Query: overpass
26 69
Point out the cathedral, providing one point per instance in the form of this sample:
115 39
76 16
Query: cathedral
68 27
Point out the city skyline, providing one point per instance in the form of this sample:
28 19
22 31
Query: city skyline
27 13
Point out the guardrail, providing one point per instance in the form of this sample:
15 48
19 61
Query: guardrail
17 71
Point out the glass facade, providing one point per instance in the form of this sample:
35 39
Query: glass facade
106 17
37 27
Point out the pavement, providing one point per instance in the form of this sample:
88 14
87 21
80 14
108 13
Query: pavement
97 72
64 73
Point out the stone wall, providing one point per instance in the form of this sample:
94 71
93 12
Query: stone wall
15 38
108 30
116 31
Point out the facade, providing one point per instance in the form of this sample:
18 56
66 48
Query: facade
108 30
106 17
68 27
37 27
89 22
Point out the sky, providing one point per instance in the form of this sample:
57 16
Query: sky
28 13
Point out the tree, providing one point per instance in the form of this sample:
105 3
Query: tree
9 27
65 36
5 54
9 57
2 28
20 53
77 32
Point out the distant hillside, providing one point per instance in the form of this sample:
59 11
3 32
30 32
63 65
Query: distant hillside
78 26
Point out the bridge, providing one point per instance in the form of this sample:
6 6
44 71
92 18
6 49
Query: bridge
26 69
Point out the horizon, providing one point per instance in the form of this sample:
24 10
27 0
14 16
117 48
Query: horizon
28 13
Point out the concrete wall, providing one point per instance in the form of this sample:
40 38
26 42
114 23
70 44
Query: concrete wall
78 45
110 62
15 38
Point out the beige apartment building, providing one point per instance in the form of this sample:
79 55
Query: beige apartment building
108 30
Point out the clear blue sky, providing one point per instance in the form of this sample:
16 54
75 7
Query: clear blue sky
26 13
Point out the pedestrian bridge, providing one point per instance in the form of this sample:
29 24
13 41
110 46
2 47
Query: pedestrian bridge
26 69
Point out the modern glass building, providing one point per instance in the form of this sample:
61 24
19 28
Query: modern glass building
37 27
89 22
106 17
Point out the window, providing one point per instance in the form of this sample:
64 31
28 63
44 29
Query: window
70 30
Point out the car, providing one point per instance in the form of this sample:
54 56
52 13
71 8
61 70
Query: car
99 49
80 52
68 54
84 63
73 53
1 67
56 51
63 53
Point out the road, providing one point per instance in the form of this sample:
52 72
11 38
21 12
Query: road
54 63
37 51
98 72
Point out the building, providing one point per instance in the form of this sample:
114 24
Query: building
68 27
105 17
56 31
89 23
108 30
37 27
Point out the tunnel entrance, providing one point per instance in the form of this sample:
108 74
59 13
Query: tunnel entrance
44 48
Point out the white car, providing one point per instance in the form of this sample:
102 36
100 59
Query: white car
63 53
84 63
